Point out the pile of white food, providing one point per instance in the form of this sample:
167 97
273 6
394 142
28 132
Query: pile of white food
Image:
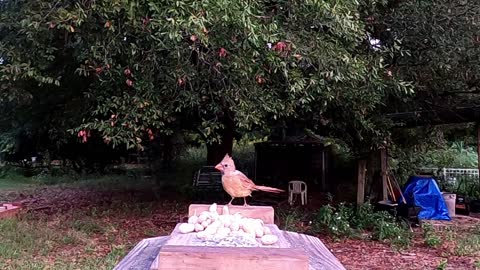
228 230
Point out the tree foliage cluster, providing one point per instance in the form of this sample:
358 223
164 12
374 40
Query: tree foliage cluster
129 72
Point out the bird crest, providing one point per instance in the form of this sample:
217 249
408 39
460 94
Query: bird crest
227 157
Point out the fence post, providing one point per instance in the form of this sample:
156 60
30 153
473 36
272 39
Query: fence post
384 170
362 167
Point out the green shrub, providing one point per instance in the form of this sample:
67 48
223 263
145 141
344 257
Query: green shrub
431 239
348 221
334 221
387 230
366 217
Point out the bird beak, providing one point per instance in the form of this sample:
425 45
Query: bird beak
219 167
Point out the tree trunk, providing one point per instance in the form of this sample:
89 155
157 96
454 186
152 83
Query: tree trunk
167 155
216 151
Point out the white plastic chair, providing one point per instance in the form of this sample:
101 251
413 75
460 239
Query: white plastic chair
297 187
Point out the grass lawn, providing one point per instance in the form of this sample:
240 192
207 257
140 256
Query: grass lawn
15 184
56 243
83 238
92 223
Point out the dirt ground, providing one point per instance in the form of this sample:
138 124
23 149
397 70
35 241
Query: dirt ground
134 215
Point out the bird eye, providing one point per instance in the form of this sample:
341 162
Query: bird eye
226 165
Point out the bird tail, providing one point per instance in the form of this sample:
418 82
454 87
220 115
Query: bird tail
269 189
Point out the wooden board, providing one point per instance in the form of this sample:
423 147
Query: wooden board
145 253
176 252
278 256
189 239
9 210
216 258
265 213
321 258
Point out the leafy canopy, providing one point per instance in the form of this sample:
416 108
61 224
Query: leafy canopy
129 70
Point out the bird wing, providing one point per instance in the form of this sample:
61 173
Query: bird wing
246 182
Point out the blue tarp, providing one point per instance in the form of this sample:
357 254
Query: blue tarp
425 193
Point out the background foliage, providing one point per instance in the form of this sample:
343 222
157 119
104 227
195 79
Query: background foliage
130 71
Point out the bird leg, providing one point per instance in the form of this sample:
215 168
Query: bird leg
245 202
230 203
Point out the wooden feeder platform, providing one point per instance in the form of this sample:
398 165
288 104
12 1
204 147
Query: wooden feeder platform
182 252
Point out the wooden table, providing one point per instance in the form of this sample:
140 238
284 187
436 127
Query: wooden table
143 256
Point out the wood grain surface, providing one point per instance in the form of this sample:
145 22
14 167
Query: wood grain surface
217 258
178 252
144 256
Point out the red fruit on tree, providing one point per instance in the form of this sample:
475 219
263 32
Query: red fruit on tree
181 82
222 52
84 135
129 82
51 25
150 134
98 70
145 20
108 24
127 72
280 46
260 79
193 38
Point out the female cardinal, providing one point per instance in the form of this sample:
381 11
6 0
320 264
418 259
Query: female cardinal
236 184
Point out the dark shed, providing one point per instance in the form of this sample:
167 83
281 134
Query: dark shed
303 158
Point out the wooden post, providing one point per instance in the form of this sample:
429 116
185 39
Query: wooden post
478 150
384 169
324 175
362 167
